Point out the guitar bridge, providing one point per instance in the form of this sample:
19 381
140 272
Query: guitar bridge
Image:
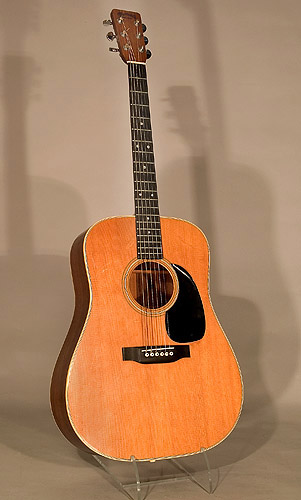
156 354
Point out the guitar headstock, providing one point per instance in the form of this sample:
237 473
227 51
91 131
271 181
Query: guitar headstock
128 32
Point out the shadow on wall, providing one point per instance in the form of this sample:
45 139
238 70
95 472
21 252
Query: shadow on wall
259 330
36 291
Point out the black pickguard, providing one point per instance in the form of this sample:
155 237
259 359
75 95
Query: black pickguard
185 320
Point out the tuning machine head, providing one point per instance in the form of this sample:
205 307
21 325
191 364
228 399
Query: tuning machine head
111 36
107 22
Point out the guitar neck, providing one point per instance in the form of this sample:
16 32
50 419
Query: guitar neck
148 229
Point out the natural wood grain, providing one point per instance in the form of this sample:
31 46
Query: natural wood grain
119 408
128 24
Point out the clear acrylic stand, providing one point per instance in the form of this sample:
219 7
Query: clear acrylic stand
139 484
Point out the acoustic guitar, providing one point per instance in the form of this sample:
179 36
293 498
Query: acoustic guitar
146 369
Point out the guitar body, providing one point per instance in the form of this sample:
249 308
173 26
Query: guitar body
118 407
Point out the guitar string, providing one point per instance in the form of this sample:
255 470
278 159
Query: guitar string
149 272
157 300
143 204
148 236
157 269
140 275
140 229
148 264
157 303
154 266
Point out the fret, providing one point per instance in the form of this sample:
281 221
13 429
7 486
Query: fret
146 223
143 178
149 227
146 169
140 118
135 104
154 238
142 129
154 247
148 162
146 182
139 213
154 226
141 107
149 206
147 218
150 254
149 240
137 78
139 92
138 140
145 190
149 235
152 202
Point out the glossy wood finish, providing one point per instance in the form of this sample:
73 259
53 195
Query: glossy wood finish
118 408
127 25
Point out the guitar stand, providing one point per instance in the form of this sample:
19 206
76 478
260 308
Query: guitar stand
138 484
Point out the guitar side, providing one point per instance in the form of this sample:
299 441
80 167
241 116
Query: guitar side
60 372
119 408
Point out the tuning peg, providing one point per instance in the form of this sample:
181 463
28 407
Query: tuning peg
111 36
148 54
144 28
107 22
113 49
145 40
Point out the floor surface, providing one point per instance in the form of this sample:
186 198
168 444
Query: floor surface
259 460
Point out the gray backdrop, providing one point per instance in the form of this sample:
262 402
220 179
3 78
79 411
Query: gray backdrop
225 99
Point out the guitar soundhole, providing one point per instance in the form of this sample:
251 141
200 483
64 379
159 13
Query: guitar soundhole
151 285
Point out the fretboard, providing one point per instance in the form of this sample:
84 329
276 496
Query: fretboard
148 229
